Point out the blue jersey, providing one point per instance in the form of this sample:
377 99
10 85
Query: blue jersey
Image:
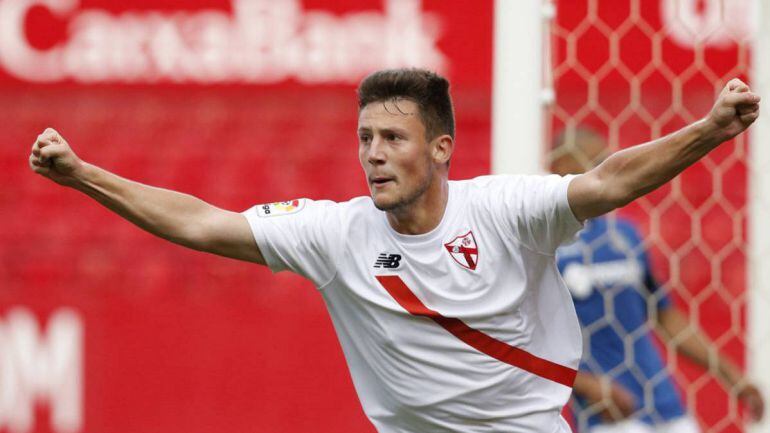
608 274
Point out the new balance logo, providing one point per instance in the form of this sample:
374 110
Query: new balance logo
388 261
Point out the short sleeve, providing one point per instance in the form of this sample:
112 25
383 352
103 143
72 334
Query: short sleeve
298 236
536 210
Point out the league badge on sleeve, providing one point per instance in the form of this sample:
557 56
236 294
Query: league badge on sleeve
464 250
280 208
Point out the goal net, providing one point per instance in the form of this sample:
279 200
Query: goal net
631 71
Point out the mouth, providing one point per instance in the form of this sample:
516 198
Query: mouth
380 181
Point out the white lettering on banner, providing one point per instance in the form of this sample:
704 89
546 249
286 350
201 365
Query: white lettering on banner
716 23
36 367
263 41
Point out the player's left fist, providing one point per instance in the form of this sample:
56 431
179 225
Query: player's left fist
735 110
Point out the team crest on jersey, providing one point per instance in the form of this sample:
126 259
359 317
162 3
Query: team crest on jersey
464 250
281 208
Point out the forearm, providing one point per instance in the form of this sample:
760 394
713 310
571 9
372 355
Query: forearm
631 173
588 385
180 218
168 214
636 171
699 349
611 400
694 345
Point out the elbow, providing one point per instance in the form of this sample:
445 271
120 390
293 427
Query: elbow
600 191
610 194
616 196
617 191
613 186
197 235
189 234
621 193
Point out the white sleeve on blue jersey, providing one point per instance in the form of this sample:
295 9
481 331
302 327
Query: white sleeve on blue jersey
535 209
298 235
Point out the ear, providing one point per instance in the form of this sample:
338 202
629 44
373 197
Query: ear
442 148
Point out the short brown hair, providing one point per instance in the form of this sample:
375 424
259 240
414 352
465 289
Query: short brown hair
427 89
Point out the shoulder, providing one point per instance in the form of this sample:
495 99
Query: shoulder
512 180
356 208
355 205
489 180
484 185
309 212
348 217
514 189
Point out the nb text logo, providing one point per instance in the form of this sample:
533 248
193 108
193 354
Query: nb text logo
388 261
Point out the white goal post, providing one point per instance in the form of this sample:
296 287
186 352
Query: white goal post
758 299
517 114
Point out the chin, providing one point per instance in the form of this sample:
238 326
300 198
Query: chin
384 202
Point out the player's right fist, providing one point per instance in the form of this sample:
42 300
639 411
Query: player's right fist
53 158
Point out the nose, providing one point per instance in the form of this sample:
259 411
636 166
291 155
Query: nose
376 152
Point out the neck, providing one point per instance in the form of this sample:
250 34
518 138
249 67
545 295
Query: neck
425 213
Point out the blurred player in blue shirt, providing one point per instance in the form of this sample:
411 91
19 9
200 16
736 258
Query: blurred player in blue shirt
618 302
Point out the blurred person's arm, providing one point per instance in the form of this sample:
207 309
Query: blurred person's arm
689 341
614 402
631 173
177 217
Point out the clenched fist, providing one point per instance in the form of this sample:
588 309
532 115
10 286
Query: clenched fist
735 110
53 158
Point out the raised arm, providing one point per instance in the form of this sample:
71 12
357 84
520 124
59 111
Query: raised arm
691 342
631 173
177 217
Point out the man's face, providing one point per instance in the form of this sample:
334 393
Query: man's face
394 153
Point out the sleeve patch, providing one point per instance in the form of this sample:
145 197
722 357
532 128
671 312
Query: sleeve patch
280 208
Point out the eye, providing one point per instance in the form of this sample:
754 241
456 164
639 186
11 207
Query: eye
392 137
364 138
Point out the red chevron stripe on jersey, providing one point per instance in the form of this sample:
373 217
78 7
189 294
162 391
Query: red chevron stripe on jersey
477 339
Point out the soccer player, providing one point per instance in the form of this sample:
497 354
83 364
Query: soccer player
444 294
608 265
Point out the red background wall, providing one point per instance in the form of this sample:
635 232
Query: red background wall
177 340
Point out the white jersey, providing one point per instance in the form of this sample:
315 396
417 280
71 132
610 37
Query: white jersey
467 328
